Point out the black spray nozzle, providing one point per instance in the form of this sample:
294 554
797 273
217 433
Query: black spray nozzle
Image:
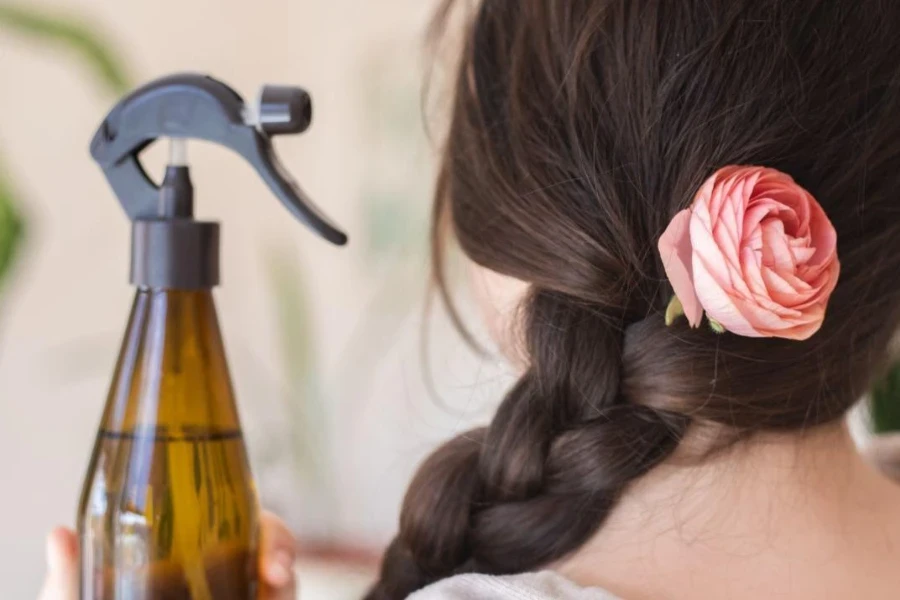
192 106
284 110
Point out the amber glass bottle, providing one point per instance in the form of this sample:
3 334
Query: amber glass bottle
169 510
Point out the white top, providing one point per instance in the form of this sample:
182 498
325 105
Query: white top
528 586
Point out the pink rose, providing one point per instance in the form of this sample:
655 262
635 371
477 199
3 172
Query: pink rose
756 252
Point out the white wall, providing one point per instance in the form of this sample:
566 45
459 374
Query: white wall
63 313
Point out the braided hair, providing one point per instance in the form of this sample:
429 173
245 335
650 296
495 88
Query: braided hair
579 128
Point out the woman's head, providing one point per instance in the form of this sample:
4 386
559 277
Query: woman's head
579 129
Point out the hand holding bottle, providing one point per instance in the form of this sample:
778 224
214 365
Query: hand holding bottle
278 553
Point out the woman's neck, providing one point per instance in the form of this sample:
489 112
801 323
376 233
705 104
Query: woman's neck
798 515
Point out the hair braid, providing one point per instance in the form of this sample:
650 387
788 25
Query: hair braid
537 482
579 129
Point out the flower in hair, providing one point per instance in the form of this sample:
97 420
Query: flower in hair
755 252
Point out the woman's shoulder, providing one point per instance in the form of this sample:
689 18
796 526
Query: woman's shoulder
545 585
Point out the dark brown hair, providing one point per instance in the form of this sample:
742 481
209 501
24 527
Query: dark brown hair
579 128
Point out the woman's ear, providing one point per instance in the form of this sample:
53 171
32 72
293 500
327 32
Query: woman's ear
499 299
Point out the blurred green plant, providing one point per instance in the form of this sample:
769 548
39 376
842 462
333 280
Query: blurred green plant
884 406
70 34
11 224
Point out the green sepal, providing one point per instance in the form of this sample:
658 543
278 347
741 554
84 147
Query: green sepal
673 311
716 326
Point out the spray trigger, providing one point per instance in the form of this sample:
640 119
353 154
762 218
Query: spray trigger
190 106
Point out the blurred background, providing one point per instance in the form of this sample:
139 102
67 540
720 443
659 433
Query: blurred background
325 344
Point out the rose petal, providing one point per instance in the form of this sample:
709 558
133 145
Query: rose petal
783 291
802 254
766 316
783 189
824 237
778 312
783 208
756 212
726 239
704 244
712 201
675 250
803 330
753 239
718 304
750 264
821 288
776 251
727 229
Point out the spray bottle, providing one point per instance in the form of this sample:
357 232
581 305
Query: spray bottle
169 509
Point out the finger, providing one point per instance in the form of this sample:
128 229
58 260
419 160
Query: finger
279 552
287 592
61 582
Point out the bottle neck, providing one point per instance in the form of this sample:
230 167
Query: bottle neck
171 250
174 253
172 373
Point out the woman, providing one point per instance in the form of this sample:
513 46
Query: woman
695 205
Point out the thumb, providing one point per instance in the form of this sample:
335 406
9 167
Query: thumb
61 582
